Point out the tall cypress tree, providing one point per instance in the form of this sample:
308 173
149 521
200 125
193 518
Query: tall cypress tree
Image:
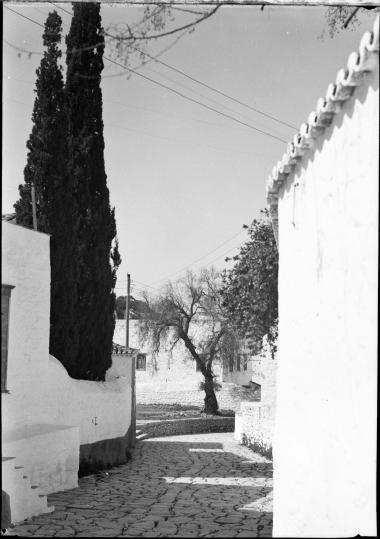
95 245
46 169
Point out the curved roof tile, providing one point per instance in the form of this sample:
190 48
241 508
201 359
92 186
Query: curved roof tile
358 65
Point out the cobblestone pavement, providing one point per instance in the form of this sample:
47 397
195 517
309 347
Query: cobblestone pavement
200 485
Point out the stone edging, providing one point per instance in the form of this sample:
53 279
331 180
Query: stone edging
172 427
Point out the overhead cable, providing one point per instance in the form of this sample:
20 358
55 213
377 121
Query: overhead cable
180 94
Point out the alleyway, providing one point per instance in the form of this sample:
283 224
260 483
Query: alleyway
203 485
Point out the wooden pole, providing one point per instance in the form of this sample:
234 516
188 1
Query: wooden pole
34 210
127 311
133 367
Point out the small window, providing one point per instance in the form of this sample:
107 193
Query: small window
141 362
231 365
5 301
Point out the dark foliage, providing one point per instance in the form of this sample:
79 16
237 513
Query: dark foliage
250 288
95 242
120 305
136 307
46 169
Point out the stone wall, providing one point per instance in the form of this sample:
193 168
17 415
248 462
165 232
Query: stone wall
171 427
229 397
325 437
255 421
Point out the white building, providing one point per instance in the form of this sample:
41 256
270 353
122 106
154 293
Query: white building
172 377
254 422
176 367
323 197
51 424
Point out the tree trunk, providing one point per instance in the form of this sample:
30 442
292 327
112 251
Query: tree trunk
211 404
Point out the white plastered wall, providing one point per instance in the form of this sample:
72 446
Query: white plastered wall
40 390
325 435
26 266
169 370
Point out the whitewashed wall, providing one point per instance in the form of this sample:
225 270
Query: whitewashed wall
325 438
242 377
168 370
254 423
26 266
43 401
174 370
102 410
40 389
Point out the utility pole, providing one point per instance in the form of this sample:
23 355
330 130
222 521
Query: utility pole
127 311
34 211
133 384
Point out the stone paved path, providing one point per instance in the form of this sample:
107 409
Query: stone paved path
200 485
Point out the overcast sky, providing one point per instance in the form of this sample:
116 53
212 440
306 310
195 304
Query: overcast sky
185 179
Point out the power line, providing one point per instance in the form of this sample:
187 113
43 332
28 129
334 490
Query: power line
106 124
174 116
104 76
154 288
193 91
200 258
258 111
217 258
61 8
21 49
193 100
24 17
144 19
176 70
206 265
194 262
204 105
160 137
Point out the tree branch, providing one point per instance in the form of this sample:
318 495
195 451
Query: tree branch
163 34
351 17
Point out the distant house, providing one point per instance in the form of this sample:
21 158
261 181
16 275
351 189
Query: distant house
323 198
176 367
254 422
172 376
51 424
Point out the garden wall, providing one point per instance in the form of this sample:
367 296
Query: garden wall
229 397
255 421
172 427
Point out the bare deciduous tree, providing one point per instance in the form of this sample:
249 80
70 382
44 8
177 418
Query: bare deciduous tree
190 311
